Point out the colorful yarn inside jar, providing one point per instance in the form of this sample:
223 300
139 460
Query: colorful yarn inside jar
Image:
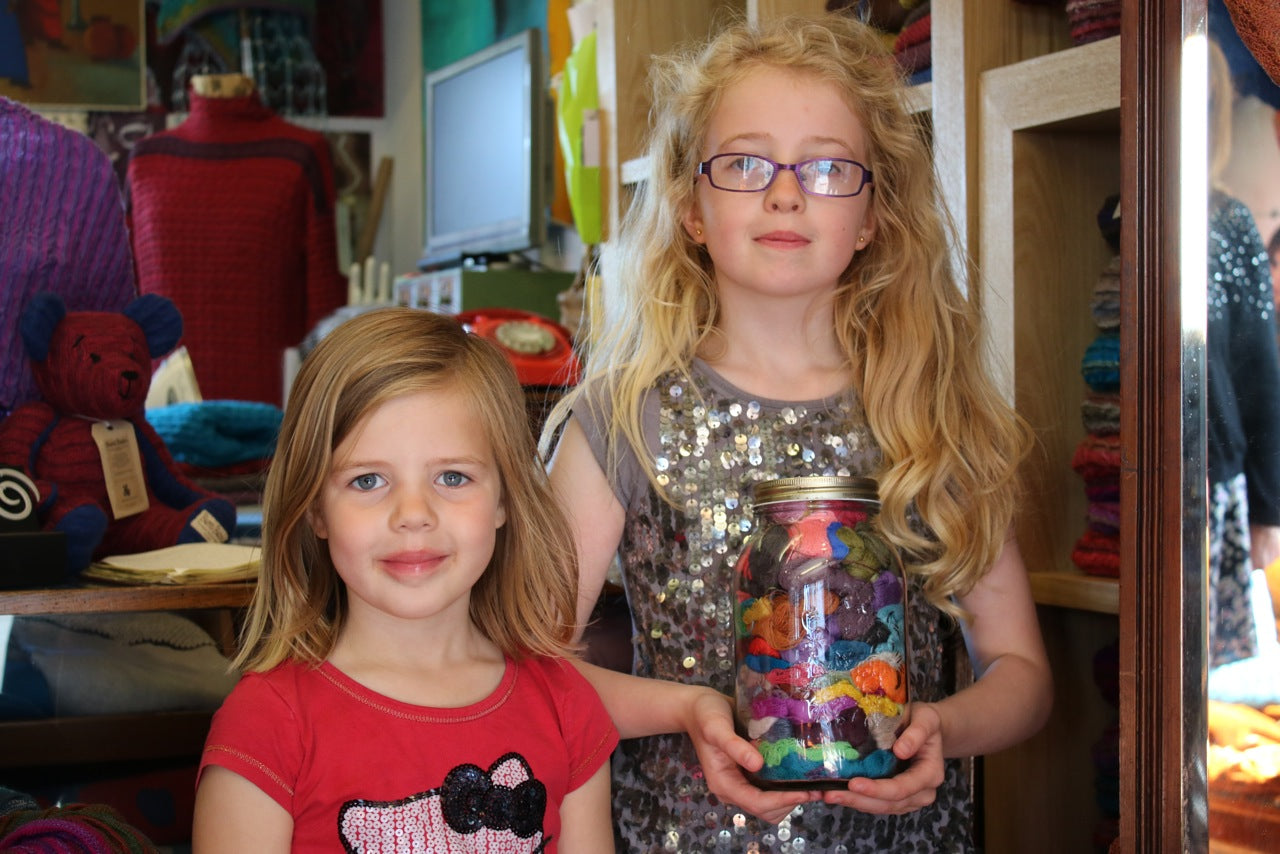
822 654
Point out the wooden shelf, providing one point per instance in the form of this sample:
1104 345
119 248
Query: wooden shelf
102 738
1076 590
80 600
920 98
1068 84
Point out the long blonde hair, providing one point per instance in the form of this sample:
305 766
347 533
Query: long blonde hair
951 444
525 602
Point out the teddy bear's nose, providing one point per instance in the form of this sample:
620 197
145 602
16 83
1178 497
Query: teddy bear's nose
129 375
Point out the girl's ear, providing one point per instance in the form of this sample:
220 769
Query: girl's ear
692 222
867 232
316 520
500 514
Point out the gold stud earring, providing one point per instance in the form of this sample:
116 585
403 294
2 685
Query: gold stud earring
698 232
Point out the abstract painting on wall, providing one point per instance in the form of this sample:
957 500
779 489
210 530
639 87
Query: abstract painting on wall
86 54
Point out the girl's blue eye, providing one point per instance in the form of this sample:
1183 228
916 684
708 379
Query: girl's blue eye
453 478
366 482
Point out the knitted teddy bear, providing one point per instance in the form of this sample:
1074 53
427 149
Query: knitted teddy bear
106 480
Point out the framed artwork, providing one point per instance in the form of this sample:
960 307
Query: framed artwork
81 54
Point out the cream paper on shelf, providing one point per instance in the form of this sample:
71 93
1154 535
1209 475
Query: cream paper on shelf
188 563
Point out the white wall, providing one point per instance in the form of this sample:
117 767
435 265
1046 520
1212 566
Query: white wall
400 136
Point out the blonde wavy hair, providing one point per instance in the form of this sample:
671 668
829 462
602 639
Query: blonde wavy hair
914 343
525 602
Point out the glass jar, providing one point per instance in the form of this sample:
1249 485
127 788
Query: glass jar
822 654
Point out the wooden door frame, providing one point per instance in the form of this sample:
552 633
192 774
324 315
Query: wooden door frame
1163 798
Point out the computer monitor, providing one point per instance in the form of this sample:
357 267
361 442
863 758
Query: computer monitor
488 156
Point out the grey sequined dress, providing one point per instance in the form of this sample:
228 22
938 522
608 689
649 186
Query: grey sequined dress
711 441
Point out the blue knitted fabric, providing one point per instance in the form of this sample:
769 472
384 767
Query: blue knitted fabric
1101 363
217 433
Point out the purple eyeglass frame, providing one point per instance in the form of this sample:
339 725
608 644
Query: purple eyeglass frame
704 168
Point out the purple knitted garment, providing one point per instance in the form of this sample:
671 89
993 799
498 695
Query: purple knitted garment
62 229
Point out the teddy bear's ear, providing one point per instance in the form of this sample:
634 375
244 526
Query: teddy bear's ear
160 320
40 317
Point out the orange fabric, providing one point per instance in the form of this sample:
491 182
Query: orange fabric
1257 22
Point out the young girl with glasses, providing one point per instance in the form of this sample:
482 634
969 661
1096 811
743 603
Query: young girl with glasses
406 684
780 302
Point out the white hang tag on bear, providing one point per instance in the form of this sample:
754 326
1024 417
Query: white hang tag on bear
121 467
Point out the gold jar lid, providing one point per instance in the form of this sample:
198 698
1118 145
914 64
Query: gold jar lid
816 488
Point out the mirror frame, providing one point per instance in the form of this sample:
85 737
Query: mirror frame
1164 555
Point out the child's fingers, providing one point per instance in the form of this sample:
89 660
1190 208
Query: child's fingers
924 723
909 742
771 807
884 797
732 745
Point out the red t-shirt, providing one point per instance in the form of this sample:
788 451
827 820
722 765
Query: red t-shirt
362 772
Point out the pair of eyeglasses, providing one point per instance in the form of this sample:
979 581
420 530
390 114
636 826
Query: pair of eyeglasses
819 176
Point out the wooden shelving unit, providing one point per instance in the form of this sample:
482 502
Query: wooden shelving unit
1077 591
94 739
102 738
1049 157
82 599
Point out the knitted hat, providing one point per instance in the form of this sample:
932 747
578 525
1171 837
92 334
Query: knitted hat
1253 62
1257 22
63 232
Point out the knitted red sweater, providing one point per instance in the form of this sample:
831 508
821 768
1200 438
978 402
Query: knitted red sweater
232 219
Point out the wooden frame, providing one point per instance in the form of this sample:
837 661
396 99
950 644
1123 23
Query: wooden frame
1162 758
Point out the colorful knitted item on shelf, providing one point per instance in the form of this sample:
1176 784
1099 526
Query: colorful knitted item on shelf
918 31
11 800
1106 672
120 664
216 433
1097 554
1109 221
62 231
1103 489
73 829
1105 304
1106 767
1097 457
1104 516
233 220
1100 413
247 470
1092 20
1100 366
885 15
914 59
